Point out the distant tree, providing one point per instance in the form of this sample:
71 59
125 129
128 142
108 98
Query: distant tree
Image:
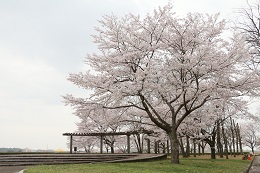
87 143
11 150
165 66
210 137
136 121
103 121
121 144
250 136
209 127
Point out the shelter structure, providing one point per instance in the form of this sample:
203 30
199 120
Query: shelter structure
101 135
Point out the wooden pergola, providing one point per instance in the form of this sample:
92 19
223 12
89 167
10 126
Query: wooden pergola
101 135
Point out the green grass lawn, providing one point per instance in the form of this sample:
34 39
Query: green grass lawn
188 165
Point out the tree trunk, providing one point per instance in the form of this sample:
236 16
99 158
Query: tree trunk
225 141
253 150
237 143
236 133
239 139
187 146
230 147
212 152
167 146
181 147
212 143
219 144
212 146
233 138
194 148
174 147
203 148
87 150
112 149
199 148
164 147
138 143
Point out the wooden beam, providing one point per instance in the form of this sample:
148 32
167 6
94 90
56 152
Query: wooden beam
128 143
71 144
101 144
101 134
148 146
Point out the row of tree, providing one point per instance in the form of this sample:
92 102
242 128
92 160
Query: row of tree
176 76
224 137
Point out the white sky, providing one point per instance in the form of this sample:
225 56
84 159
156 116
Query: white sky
41 42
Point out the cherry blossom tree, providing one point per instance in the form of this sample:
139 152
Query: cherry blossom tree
209 120
250 135
249 23
165 66
85 142
137 121
101 121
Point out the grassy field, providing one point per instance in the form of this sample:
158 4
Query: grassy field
188 165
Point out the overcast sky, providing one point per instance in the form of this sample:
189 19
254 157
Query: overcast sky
41 42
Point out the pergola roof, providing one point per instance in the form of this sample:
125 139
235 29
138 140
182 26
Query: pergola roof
101 134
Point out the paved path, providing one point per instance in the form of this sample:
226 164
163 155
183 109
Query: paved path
11 169
255 168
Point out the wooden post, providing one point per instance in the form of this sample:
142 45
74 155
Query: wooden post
128 143
199 145
167 145
164 147
148 146
71 144
194 148
101 144
155 146
158 146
